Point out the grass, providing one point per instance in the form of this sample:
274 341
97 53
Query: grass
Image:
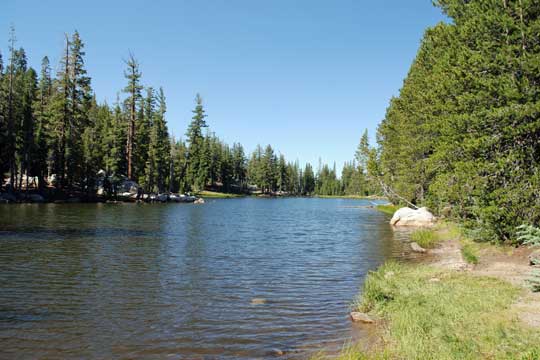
387 209
217 195
426 238
470 253
455 316
360 197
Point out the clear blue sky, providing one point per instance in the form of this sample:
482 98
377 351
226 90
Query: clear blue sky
307 76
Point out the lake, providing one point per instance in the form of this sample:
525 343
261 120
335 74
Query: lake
231 279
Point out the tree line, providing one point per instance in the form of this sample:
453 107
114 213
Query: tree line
55 137
463 135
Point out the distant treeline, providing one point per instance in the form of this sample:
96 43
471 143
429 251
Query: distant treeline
55 135
463 136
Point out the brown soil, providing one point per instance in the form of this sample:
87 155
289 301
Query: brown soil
505 263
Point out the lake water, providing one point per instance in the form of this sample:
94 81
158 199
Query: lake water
234 278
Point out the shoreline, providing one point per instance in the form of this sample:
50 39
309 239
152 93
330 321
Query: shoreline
33 197
428 308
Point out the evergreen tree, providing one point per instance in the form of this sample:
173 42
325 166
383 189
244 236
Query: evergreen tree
133 89
158 164
197 171
43 128
144 126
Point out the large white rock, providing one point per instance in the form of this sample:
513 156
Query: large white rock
410 217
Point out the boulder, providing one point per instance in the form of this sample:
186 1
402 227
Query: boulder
417 248
410 217
361 317
534 258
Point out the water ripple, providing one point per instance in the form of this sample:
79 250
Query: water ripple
137 281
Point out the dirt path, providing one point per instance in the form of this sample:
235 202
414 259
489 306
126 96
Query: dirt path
508 264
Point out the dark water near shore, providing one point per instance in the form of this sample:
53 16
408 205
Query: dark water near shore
178 280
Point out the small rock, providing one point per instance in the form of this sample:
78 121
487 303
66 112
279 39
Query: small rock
199 201
277 352
258 301
417 248
534 258
361 317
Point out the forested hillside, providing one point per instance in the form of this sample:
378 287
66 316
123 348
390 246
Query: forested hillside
55 138
463 136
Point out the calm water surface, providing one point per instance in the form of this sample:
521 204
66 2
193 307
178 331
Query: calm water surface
101 281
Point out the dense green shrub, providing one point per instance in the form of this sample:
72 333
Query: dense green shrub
463 136
534 280
528 235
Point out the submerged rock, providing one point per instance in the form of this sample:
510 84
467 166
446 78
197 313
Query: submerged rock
410 217
277 352
361 317
417 248
258 301
199 201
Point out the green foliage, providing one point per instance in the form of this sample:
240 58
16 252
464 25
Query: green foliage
534 280
528 235
387 209
458 317
463 133
426 238
469 253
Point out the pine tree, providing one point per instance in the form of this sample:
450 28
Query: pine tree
308 180
239 172
59 109
10 138
42 118
158 163
143 135
197 170
133 88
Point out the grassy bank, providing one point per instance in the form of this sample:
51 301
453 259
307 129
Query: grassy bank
358 197
437 314
217 195
429 312
387 209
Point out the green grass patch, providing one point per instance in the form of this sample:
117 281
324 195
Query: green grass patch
470 253
358 197
426 238
387 209
433 314
217 195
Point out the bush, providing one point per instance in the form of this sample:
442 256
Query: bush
534 281
528 235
